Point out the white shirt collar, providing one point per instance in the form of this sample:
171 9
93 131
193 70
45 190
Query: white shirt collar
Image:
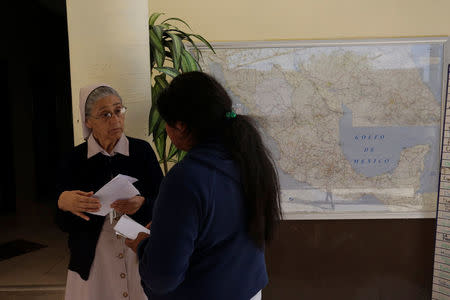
121 147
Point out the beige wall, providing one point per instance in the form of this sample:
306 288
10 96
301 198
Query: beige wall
108 39
108 42
237 20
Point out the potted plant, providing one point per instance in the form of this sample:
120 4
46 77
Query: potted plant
169 58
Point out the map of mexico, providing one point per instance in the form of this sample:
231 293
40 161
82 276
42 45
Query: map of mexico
354 129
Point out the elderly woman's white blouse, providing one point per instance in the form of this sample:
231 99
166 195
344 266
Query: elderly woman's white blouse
122 147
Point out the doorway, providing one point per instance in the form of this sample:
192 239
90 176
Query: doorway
38 124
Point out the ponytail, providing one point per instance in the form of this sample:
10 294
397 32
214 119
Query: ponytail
259 178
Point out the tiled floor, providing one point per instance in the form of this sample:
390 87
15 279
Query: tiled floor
40 274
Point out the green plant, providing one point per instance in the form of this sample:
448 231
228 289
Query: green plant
169 58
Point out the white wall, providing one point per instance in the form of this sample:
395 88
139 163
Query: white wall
108 43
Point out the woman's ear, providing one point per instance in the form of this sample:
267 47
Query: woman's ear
181 127
183 136
88 123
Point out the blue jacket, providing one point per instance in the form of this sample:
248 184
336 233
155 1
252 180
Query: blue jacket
199 247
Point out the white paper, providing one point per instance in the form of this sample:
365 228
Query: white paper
120 187
129 178
129 228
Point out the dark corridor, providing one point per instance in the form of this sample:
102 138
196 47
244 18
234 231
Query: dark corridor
37 123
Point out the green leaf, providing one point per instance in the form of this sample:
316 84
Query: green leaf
161 81
177 19
184 64
171 54
159 58
169 71
154 119
190 62
181 154
158 30
153 18
165 26
156 91
172 151
160 84
169 26
160 143
177 45
160 129
185 36
159 138
204 42
157 48
152 60
155 40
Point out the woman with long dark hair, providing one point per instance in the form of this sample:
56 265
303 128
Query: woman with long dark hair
217 208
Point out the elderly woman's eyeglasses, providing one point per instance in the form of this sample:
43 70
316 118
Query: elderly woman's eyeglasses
107 115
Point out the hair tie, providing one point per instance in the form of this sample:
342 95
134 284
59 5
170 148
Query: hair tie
230 115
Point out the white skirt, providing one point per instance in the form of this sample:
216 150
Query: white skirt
114 273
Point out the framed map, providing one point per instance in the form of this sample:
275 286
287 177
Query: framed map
354 126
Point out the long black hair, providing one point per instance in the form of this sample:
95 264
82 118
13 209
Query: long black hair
199 101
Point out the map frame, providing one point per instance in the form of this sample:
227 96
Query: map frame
440 40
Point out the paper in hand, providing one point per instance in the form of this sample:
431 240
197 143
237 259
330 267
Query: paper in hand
129 228
120 187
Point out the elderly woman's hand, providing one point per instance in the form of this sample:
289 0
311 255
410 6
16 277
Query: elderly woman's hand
78 202
128 206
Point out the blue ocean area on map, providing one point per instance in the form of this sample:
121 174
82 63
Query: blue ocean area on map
374 151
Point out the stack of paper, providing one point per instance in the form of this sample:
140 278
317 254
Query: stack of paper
129 228
120 187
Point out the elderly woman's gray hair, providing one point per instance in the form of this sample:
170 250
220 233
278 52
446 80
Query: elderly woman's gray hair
97 94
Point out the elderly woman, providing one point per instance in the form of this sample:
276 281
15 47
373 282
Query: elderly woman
101 266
